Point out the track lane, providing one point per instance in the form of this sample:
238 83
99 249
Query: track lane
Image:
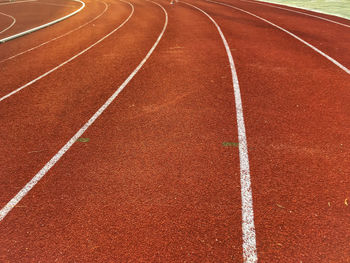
330 38
58 37
38 102
174 211
63 50
248 227
297 131
14 201
8 49
30 10
63 108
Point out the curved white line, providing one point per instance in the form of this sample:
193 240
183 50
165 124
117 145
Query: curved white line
13 22
45 25
289 33
298 12
61 65
23 192
65 34
248 229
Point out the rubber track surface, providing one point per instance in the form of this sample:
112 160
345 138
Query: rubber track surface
26 14
158 178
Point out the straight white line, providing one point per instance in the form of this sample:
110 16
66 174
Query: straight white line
289 33
62 64
14 201
65 34
298 12
45 25
250 254
13 22
17 2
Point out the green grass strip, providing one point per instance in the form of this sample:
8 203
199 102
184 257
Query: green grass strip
333 7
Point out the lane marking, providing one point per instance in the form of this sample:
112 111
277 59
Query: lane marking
62 64
51 40
250 254
289 33
45 25
299 12
17 2
13 22
14 201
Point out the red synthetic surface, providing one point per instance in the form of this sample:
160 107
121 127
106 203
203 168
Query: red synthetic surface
155 183
5 22
32 14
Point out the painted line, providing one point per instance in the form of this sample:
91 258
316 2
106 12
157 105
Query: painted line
294 11
13 22
289 33
53 39
250 254
45 25
23 192
17 2
62 64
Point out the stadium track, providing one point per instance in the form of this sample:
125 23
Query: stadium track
155 183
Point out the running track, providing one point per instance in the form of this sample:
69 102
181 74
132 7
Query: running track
163 175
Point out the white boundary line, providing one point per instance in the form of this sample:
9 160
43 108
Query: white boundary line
17 2
14 201
294 11
289 33
65 34
13 22
60 65
45 25
250 254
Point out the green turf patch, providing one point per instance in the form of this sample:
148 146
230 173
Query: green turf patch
332 7
230 144
83 139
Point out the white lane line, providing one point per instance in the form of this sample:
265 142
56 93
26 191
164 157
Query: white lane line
294 11
17 2
250 254
13 22
14 201
53 39
45 25
289 33
62 64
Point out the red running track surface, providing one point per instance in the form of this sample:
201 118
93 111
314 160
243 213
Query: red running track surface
159 179
34 13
